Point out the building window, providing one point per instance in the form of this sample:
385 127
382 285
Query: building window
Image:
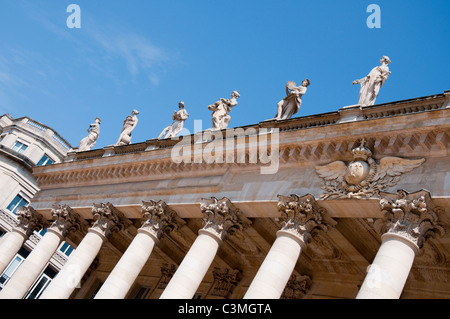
37 289
142 292
19 147
10 270
45 160
66 249
18 201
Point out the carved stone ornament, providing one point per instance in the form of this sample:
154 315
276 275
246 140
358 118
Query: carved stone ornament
108 219
159 219
65 220
302 217
412 216
221 218
224 281
363 177
29 221
296 288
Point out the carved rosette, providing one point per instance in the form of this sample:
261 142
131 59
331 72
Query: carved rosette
29 221
65 220
221 218
411 216
158 218
302 217
107 219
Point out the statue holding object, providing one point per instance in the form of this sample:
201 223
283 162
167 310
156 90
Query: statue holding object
221 109
290 105
89 141
179 117
128 126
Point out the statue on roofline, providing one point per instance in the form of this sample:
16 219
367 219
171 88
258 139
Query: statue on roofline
290 105
128 126
179 117
371 84
221 109
89 141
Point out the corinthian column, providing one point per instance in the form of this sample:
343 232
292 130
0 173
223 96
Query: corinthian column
65 221
29 222
301 219
158 220
409 221
220 219
107 220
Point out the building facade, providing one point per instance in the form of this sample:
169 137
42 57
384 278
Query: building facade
24 144
349 204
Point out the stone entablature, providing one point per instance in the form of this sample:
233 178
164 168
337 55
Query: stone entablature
304 144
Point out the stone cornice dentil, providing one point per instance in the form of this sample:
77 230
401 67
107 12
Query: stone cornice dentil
301 217
29 221
108 219
221 218
158 219
410 216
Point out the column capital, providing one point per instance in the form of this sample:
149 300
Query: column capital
29 221
301 217
66 220
221 218
158 219
107 219
411 216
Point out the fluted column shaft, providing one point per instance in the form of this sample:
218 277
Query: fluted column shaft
220 219
107 220
301 217
409 220
157 220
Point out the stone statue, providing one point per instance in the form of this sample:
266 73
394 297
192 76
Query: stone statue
128 126
89 141
221 110
178 117
371 84
290 105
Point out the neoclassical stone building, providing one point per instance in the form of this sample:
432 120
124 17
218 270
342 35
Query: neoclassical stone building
353 203
24 144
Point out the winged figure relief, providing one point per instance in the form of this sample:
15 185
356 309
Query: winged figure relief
363 177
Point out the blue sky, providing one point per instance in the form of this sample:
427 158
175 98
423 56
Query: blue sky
150 55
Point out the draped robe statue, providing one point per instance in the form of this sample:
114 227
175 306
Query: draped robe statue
290 105
89 141
221 109
128 126
178 122
371 84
